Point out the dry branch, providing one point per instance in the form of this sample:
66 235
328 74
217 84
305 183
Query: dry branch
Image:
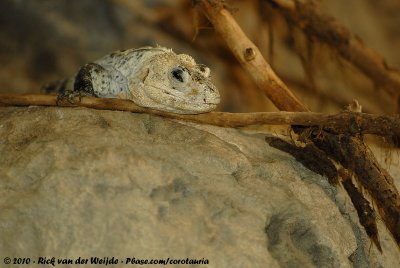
318 161
314 23
250 57
365 211
388 200
345 122
353 154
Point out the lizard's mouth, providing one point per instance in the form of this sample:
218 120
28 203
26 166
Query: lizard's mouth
196 100
216 102
176 101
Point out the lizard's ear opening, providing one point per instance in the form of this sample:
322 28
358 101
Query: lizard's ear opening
179 75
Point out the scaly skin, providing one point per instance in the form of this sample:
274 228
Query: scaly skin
153 77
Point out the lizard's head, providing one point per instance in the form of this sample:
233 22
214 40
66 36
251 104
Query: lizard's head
175 83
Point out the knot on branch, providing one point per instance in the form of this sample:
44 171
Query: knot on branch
249 54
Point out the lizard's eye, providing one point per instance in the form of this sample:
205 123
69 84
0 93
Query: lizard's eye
180 75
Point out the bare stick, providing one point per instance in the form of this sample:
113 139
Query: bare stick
254 63
355 155
250 57
308 16
345 122
365 211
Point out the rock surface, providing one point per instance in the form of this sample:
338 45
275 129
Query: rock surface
77 182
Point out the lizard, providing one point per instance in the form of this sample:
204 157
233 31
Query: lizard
152 77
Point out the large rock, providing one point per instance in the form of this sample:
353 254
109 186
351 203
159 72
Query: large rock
77 182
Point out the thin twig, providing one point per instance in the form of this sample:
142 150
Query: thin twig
344 122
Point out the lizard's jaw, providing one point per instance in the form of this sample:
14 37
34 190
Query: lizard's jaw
175 101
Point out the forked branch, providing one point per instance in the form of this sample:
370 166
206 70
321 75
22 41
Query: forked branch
345 149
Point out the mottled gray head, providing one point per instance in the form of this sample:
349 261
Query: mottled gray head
177 84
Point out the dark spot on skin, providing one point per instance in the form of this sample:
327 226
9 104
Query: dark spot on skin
165 92
96 71
139 55
204 99
120 89
117 76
